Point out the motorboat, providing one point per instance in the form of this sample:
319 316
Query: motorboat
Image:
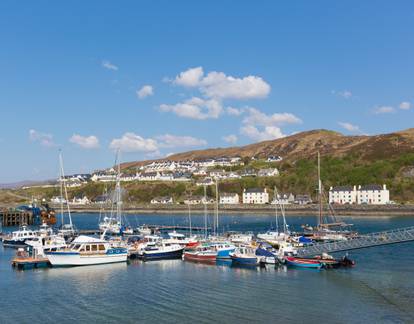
110 225
19 238
303 262
144 230
201 253
223 249
181 239
85 250
162 251
241 238
245 255
44 244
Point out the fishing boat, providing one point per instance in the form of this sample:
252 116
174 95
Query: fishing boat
201 253
303 262
245 255
162 251
44 244
18 238
85 250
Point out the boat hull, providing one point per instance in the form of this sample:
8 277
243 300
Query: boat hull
177 254
224 254
14 243
245 260
75 259
303 263
199 257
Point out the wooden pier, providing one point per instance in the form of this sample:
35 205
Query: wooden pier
16 217
24 263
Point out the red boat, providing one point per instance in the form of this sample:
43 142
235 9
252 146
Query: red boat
201 254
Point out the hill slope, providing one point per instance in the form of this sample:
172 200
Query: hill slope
307 144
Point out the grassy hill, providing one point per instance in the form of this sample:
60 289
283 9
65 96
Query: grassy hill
354 160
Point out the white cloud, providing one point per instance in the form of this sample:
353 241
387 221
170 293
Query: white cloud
221 86
109 66
260 126
257 117
384 110
343 93
87 142
131 142
43 138
145 91
170 141
195 108
231 139
190 78
350 127
405 105
234 111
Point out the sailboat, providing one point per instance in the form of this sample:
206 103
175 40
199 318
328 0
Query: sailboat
325 230
276 237
66 230
112 224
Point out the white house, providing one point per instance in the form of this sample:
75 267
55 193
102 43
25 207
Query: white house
369 194
274 158
373 195
229 198
103 177
255 196
80 200
162 200
58 200
343 195
197 200
268 172
283 199
205 182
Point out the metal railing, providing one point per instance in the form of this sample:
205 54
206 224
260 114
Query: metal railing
363 241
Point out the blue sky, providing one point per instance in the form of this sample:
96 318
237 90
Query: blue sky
158 77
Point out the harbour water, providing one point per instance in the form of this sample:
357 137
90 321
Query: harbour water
380 288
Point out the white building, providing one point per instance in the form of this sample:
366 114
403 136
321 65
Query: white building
373 195
343 195
197 200
369 194
227 198
255 196
162 200
58 200
103 177
272 172
284 199
80 200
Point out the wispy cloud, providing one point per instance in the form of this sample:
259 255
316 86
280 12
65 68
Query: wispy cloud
86 142
384 110
350 127
346 94
405 105
231 139
145 91
44 139
109 66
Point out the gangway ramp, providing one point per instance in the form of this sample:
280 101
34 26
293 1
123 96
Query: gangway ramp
363 241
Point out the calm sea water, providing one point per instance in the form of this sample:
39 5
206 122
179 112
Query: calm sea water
379 289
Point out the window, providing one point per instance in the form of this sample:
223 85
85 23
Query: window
101 247
88 248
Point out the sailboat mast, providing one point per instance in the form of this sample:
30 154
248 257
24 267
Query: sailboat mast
320 189
118 190
217 210
61 187
65 189
276 217
189 218
205 211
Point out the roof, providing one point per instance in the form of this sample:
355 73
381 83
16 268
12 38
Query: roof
228 194
342 188
254 190
371 187
87 239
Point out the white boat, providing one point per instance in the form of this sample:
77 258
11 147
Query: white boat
110 225
161 251
181 239
45 230
85 250
44 244
144 230
273 237
19 238
241 238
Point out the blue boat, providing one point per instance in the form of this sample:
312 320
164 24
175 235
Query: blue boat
245 256
267 254
223 250
303 262
162 251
